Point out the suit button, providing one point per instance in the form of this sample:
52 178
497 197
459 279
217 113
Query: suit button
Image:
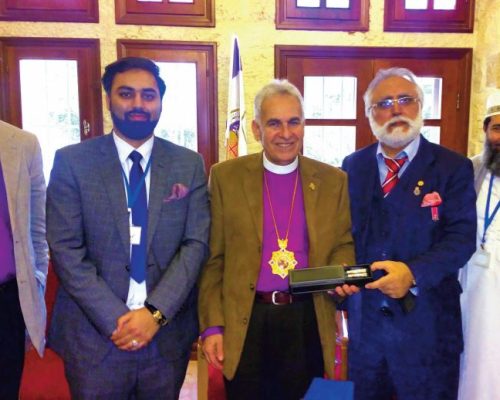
252 286
245 321
386 311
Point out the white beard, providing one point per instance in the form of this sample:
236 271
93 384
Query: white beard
398 137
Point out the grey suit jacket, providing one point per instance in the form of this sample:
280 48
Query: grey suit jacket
21 160
88 233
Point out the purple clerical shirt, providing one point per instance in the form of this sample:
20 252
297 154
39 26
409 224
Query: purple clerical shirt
7 262
281 187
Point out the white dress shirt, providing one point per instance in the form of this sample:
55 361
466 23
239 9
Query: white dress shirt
137 292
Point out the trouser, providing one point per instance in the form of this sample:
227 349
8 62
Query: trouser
281 355
138 375
12 341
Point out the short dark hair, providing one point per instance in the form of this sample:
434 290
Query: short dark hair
486 122
128 63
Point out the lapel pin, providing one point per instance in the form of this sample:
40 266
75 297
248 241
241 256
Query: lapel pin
312 186
417 190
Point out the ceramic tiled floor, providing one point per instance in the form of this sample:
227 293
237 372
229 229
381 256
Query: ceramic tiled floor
189 388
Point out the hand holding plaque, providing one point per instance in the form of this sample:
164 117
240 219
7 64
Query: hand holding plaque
319 279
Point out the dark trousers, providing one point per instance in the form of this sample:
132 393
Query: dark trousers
139 375
281 355
12 341
387 364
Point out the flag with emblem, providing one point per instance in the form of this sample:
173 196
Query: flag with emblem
235 139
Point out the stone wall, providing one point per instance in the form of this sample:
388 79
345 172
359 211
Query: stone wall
253 22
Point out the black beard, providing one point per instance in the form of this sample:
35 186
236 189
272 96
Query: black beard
134 130
492 158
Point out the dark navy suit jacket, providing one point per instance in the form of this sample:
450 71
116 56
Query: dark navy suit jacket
434 250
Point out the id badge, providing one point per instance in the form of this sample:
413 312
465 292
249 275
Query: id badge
135 235
481 258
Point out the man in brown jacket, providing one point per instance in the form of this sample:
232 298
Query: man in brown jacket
272 212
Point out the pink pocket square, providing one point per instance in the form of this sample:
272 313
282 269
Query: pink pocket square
179 191
432 200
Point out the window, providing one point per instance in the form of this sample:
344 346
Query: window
200 13
334 79
49 104
329 15
49 10
432 107
189 116
429 15
51 87
330 98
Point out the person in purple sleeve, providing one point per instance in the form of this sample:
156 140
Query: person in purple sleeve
23 254
272 212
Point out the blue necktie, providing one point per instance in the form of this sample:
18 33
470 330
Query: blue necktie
139 218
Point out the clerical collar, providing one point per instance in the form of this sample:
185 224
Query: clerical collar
280 169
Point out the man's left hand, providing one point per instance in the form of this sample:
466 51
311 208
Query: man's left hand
344 290
396 283
135 330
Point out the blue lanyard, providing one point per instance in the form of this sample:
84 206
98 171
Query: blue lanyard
488 219
132 197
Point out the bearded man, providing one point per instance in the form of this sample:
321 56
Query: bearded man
127 223
480 278
414 220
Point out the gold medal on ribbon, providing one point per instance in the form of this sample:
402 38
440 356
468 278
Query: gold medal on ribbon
282 260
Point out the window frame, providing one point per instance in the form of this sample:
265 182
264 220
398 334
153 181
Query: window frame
399 19
87 52
200 13
355 18
207 115
381 57
51 11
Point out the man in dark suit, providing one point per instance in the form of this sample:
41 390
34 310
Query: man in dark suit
414 219
127 224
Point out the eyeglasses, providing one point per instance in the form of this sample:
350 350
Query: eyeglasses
387 104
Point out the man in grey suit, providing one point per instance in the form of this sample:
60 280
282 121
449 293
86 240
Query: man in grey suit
23 253
127 224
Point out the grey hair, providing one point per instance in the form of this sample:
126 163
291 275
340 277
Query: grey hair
276 86
382 75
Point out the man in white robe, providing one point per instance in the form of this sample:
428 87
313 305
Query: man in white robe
480 278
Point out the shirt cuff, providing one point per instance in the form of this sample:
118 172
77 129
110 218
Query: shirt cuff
213 330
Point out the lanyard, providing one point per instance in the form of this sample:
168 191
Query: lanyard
132 197
488 219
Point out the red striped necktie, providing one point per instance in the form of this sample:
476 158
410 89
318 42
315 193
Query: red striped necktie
393 167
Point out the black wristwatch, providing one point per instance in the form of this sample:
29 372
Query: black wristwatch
157 315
